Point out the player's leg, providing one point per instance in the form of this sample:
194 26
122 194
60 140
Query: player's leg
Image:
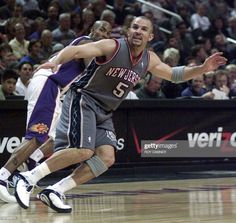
36 131
94 167
103 158
19 156
45 150
78 119
43 113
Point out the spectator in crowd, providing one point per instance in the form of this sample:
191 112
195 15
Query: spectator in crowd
67 5
186 40
25 75
34 57
232 27
7 58
28 4
19 44
159 37
8 84
209 80
200 22
206 43
97 6
121 10
7 9
88 18
222 9
184 12
196 89
159 15
57 5
171 56
37 28
57 47
9 28
52 20
218 27
231 68
18 11
4 48
64 34
221 44
110 16
151 88
172 41
126 25
221 89
47 44
211 8
199 53
76 21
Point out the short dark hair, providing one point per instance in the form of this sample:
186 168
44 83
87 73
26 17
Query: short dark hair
24 62
32 43
5 47
195 49
9 73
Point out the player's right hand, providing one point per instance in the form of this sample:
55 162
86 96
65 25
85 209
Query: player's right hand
48 65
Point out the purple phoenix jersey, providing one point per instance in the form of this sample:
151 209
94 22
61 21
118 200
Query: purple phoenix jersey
42 115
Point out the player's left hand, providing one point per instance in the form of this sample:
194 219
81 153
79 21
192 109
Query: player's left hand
214 61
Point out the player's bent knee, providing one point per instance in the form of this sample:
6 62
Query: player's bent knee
108 160
97 165
106 154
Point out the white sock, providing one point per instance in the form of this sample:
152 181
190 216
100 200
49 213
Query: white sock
4 174
64 185
37 155
37 173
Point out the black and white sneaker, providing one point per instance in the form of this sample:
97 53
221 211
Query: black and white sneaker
23 189
4 193
54 200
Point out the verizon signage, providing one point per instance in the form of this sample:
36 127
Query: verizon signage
170 128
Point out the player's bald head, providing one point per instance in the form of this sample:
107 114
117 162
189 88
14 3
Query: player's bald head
100 30
100 23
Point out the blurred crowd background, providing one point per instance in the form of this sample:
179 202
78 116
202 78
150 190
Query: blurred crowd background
31 31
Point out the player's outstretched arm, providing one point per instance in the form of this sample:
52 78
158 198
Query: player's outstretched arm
158 68
90 50
212 63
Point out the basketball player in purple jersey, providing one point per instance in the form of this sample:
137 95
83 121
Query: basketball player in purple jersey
44 108
85 131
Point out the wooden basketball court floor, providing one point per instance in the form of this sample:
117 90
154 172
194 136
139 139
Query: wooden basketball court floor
178 201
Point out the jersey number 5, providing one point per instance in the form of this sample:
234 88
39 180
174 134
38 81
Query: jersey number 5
120 89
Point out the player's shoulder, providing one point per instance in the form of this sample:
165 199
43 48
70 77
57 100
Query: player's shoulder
107 44
153 59
152 53
107 41
153 56
84 41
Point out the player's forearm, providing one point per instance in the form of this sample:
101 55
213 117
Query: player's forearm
66 55
191 72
